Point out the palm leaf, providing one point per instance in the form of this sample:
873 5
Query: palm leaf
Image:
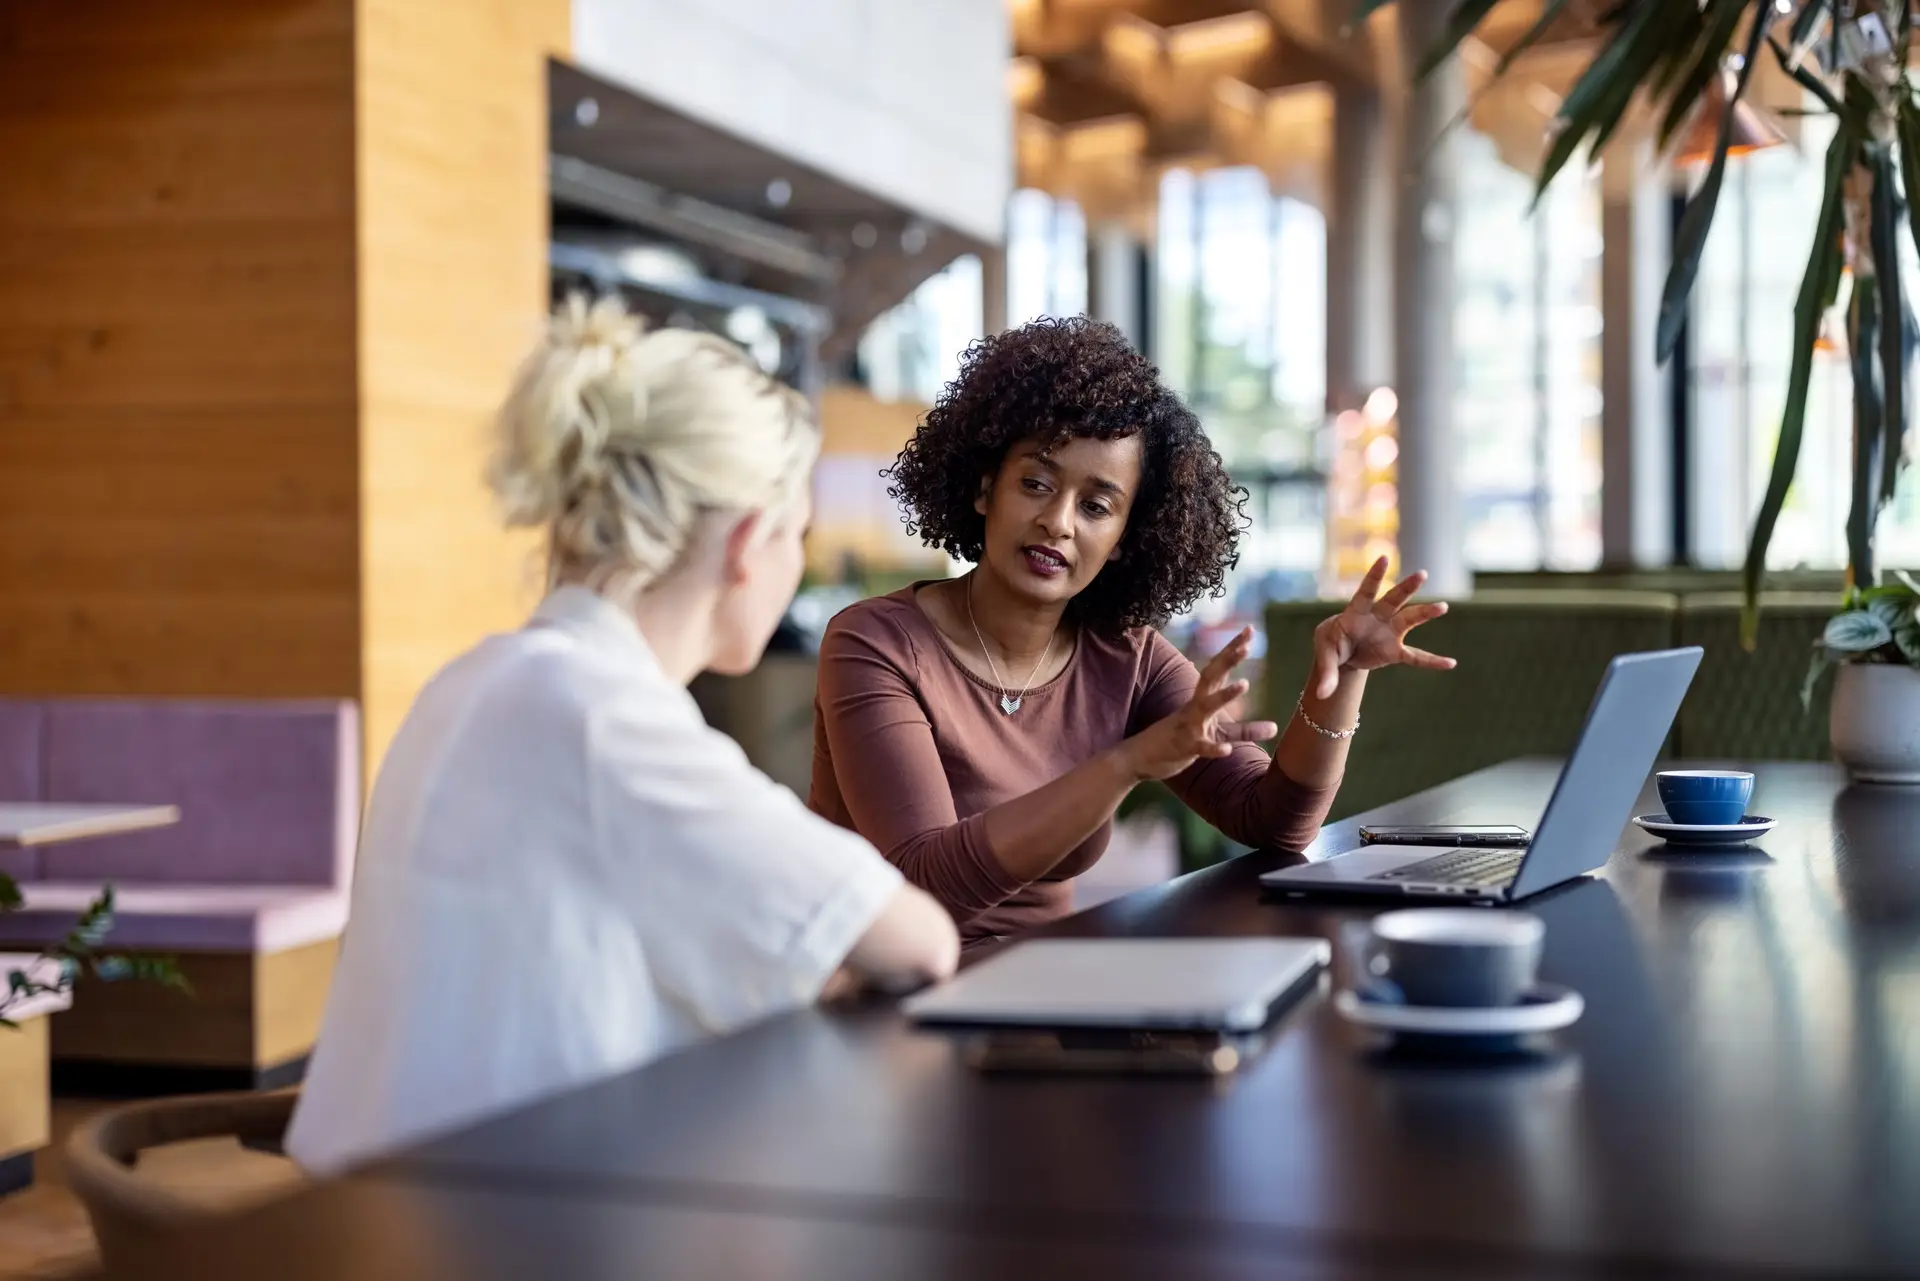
1907 122
1863 339
1802 36
1709 52
1678 56
1817 288
1885 217
1466 15
1549 14
1605 89
1690 241
1807 80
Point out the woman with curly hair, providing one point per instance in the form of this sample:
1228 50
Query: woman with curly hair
981 731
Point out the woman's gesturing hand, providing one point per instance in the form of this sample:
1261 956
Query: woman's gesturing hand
1372 633
1207 727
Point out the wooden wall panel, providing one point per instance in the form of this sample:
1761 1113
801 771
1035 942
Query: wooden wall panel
453 287
178 447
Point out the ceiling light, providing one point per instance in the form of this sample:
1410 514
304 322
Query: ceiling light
1751 129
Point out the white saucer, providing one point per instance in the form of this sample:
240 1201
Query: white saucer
1750 828
1547 1008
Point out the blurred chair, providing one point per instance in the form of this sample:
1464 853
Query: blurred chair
1529 664
130 1211
1747 706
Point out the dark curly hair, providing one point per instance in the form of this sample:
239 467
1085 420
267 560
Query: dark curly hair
1058 379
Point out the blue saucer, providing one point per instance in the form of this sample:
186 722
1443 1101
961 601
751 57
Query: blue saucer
1705 836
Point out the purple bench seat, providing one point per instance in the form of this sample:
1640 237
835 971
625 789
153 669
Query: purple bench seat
247 892
187 918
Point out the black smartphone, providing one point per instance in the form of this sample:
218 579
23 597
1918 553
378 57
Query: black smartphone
1463 834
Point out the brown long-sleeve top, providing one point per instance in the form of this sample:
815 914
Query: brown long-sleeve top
910 750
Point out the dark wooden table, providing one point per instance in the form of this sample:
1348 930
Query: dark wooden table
1742 1095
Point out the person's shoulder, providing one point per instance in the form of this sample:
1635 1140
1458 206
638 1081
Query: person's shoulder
887 623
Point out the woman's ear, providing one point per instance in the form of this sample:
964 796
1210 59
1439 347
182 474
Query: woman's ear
741 539
980 498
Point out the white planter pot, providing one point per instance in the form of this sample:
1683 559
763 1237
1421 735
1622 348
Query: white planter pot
1875 723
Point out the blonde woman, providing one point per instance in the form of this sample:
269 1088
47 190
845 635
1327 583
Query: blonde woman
564 872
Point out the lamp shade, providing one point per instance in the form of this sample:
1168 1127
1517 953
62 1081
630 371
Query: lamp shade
1751 131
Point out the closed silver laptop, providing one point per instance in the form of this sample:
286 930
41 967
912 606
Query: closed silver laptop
1627 722
1213 985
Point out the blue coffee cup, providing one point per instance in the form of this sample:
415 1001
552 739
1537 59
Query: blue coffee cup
1704 797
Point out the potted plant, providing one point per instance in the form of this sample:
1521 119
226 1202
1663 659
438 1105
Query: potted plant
1875 718
1688 57
57 966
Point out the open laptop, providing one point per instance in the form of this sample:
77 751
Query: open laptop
1631 713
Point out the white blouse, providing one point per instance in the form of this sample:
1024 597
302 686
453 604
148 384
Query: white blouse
564 873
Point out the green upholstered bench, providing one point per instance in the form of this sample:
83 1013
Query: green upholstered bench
1747 706
1675 582
1529 663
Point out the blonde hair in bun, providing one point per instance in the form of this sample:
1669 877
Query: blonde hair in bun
616 439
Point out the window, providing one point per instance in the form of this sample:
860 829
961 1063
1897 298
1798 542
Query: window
1741 345
913 350
1046 257
1240 331
1527 326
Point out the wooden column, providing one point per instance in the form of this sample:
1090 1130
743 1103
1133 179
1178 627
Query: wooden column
452 241
265 270
179 483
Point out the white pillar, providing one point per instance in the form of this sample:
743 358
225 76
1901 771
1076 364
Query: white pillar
1113 281
1359 294
993 289
1431 533
1636 423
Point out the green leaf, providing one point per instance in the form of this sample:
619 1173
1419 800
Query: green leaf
1883 221
1891 606
1818 666
1809 17
1466 15
1906 638
1604 90
1817 288
1863 333
10 899
1806 79
1549 14
1858 631
1690 241
1911 584
1723 19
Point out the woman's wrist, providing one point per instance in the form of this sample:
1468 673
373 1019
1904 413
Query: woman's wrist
1120 763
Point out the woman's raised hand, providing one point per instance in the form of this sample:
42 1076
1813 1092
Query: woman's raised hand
1371 633
1208 727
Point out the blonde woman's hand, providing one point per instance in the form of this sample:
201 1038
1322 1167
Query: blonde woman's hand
1371 633
1207 728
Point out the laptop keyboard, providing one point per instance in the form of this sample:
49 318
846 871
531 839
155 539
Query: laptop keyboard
1460 867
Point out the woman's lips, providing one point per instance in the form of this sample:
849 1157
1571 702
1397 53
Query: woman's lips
1044 562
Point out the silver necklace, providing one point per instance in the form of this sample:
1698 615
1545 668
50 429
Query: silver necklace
1009 702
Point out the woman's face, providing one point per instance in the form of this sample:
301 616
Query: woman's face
1055 519
766 555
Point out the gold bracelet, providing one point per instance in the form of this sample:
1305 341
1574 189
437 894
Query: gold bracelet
1336 734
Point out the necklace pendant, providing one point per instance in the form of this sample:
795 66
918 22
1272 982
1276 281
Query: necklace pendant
1010 703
